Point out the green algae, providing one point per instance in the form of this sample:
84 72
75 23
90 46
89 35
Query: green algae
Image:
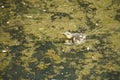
32 45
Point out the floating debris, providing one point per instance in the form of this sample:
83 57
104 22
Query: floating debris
88 48
2 6
4 51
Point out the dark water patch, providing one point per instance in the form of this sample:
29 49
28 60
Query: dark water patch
74 53
3 46
42 47
12 9
22 7
5 18
101 37
89 10
13 72
83 4
33 66
66 74
18 34
112 75
117 16
84 77
91 23
105 48
28 75
59 15
32 36
17 49
5 4
41 73
103 45
8 11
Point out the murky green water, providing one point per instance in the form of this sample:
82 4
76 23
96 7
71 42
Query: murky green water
32 45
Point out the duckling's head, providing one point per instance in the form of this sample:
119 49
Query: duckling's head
68 35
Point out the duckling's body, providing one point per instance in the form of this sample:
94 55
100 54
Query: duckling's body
74 38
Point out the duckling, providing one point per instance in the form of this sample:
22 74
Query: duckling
74 38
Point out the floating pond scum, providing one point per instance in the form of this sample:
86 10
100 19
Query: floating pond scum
32 46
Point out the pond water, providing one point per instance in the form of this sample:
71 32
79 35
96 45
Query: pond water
32 44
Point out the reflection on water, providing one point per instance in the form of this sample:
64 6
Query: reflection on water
32 44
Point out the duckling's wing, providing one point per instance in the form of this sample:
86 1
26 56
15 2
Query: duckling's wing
79 36
75 34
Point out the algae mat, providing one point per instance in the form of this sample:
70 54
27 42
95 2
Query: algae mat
32 41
